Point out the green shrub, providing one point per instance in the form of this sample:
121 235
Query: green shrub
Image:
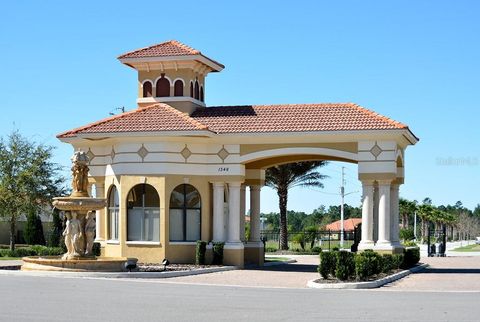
270 249
397 261
33 232
200 251
316 250
411 257
96 249
218 253
388 264
6 253
328 262
367 264
407 234
335 249
300 239
55 234
410 243
310 235
345 265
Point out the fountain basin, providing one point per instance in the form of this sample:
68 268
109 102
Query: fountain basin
80 204
56 263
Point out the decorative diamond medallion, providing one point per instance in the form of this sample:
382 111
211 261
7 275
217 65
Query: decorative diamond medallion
186 153
142 152
223 154
112 154
90 155
376 150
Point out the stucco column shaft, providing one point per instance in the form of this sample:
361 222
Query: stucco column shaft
99 193
242 212
255 213
234 212
367 215
384 213
218 211
394 209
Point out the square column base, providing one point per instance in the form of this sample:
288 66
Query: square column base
388 248
366 245
254 253
233 254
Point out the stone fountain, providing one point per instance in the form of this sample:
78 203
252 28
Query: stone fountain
79 233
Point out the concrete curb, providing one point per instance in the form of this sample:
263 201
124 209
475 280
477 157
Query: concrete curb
121 274
367 285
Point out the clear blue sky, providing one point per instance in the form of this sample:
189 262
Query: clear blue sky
417 62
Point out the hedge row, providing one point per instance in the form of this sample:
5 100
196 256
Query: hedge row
344 265
35 250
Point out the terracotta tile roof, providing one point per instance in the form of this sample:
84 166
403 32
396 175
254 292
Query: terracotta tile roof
348 224
293 118
168 48
244 119
154 118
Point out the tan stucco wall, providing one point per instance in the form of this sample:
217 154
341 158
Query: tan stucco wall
342 146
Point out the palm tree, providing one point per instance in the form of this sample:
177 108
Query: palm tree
407 209
286 176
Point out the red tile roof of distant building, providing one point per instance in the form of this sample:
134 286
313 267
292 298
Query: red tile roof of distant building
348 224
167 48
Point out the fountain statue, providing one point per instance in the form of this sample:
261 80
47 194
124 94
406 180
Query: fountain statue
79 233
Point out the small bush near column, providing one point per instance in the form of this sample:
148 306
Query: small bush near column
200 251
397 261
345 265
218 253
411 257
367 264
328 263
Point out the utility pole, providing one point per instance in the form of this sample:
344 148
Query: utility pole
342 209
415 226
342 194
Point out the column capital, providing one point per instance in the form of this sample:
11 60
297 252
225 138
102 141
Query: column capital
368 182
235 184
255 187
384 182
218 183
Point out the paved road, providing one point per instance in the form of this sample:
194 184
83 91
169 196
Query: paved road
69 299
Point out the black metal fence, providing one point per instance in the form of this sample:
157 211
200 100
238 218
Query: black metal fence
305 240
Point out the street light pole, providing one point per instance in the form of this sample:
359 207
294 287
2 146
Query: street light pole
342 214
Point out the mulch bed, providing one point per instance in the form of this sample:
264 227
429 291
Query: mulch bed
155 267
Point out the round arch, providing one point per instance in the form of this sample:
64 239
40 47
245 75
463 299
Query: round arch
267 158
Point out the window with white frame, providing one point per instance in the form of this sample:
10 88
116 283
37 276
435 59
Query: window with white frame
143 214
113 209
185 214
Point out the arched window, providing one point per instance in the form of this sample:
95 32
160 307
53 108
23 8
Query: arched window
191 89
143 214
147 89
163 87
197 95
201 94
113 209
178 88
185 213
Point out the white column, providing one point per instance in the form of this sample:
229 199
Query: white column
367 216
394 209
218 211
234 212
99 193
242 212
255 213
384 213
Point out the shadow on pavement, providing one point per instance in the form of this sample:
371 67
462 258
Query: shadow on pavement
450 271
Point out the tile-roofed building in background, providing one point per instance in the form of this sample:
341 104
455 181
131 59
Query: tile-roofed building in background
349 225
175 170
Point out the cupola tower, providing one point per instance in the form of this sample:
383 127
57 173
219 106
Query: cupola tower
171 73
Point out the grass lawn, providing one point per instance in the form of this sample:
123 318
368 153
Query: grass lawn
276 259
469 248
10 258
